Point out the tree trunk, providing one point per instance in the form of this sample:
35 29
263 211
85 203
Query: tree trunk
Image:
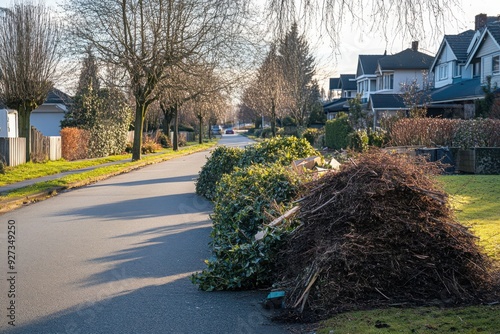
24 112
273 118
140 109
201 130
175 144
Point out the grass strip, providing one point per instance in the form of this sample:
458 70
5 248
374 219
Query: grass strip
100 173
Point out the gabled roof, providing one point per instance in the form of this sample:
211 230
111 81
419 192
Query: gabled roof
337 105
367 64
387 101
406 60
334 83
56 96
346 83
461 91
459 44
493 31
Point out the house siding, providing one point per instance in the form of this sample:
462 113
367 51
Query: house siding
407 77
447 57
488 47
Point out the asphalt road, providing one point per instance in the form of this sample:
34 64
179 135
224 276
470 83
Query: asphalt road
116 257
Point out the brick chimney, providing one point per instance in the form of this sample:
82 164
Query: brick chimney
414 45
481 20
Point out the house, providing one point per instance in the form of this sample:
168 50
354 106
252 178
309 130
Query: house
382 105
484 57
366 77
47 117
343 87
461 66
334 107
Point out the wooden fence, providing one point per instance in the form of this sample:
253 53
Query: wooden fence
43 147
13 151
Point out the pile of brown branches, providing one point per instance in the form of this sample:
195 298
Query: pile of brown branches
379 232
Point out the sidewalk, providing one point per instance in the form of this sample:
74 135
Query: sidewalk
30 182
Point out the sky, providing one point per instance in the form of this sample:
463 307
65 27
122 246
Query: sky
353 41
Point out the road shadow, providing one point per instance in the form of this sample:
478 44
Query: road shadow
141 208
173 250
163 310
186 178
132 301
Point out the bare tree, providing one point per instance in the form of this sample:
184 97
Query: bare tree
408 18
146 37
266 94
29 39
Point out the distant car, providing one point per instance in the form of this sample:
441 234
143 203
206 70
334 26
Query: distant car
229 132
216 130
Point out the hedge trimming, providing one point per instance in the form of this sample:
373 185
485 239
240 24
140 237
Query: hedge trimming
245 199
281 150
222 161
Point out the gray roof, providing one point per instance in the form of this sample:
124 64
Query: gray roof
407 59
460 43
336 105
367 64
56 96
464 90
388 101
345 82
494 30
334 83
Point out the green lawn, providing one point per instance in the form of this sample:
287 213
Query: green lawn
30 171
476 199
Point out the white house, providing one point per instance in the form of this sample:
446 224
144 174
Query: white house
47 117
485 55
449 64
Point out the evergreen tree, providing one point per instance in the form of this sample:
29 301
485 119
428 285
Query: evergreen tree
298 70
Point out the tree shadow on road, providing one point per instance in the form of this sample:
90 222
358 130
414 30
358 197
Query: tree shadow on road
141 208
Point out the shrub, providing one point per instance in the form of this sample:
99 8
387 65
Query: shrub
358 140
164 141
267 133
244 201
477 133
423 131
149 145
337 132
377 137
282 150
312 136
222 161
74 143
446 132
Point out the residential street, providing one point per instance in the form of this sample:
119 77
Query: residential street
116 257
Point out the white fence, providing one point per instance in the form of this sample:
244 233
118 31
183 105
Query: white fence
13 151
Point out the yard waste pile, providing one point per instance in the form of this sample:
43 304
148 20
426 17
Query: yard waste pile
378 232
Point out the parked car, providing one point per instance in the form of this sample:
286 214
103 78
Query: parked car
229 131
216 130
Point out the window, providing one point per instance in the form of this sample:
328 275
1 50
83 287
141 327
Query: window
443 72
496 64
388 81
457 70
477 69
